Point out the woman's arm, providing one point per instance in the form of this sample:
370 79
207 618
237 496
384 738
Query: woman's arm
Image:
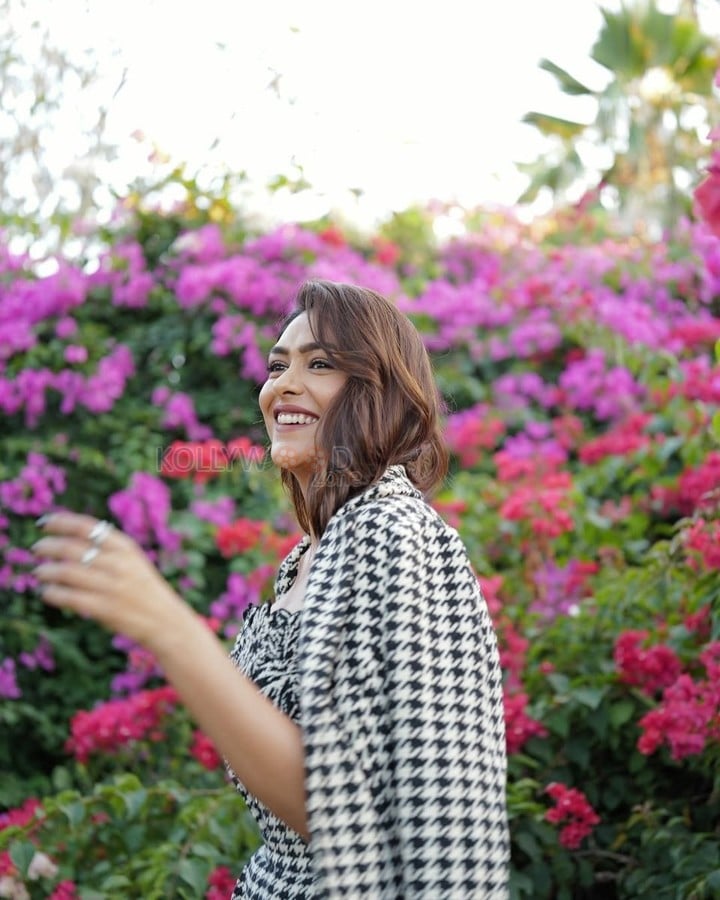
123 591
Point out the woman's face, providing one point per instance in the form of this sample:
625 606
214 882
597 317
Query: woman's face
301 385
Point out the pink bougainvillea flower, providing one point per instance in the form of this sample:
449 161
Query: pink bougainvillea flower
572 808
203 749
65 890
221 883
702 538
687 718
650 668
707 195
519 726
118 723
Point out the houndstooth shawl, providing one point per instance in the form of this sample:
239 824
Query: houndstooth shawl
401 708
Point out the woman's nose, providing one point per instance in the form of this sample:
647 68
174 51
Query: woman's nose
287 381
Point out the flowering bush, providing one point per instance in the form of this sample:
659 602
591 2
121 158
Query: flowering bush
581 386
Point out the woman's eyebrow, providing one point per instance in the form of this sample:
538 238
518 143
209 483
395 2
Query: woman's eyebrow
306 348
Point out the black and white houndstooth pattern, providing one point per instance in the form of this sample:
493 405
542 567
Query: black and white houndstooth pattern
399 688
266 651
401 708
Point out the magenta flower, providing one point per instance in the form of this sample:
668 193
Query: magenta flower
8 684
34 490
75 354
143 510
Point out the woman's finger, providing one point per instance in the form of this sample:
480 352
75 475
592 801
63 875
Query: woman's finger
69 549
75 575
82 527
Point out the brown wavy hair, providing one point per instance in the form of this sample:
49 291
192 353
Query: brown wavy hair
388 411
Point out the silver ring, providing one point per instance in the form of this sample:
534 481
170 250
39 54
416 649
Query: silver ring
89 555
99 532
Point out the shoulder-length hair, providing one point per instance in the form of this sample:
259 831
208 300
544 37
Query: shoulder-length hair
388 411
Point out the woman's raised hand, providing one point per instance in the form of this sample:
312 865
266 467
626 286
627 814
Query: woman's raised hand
95 570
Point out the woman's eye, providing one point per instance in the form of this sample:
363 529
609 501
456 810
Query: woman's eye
320 364
275 366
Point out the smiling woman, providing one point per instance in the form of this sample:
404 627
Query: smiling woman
299 368
361 712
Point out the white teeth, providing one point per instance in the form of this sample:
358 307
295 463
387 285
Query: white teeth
295 419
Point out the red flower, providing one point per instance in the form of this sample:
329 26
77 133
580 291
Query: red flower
240 536
115 724
221 883
66 890
627 438
519 727
333 237
651 669
543 504
204 751
573 808
204 460
21 815
707 195
704 538
689 714
386 251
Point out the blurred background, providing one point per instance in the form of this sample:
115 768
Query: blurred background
319 109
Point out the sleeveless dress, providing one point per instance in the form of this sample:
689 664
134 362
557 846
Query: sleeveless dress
266 651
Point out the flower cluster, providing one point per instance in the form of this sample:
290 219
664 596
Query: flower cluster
203 749
561 588
545 504
471 431
703 539
143 509
519 726
707 193
221 882
179 413
33 491
239 536
649 668
112 726
626 438
610 392
203 460
689 714
572 808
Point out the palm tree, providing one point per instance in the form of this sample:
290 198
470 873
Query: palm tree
651 118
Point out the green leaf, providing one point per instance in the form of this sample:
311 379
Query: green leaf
621 712
74 812
22 853
553 125
558 722
528 843
716 426
591 697
568 84
134 801
559 682
195 873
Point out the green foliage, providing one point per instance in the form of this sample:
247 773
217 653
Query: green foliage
127 838
660 69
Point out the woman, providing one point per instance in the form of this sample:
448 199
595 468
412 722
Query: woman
361 712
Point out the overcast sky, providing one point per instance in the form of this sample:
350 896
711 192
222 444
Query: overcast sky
404 100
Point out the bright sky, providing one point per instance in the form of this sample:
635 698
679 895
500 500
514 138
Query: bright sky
404 99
